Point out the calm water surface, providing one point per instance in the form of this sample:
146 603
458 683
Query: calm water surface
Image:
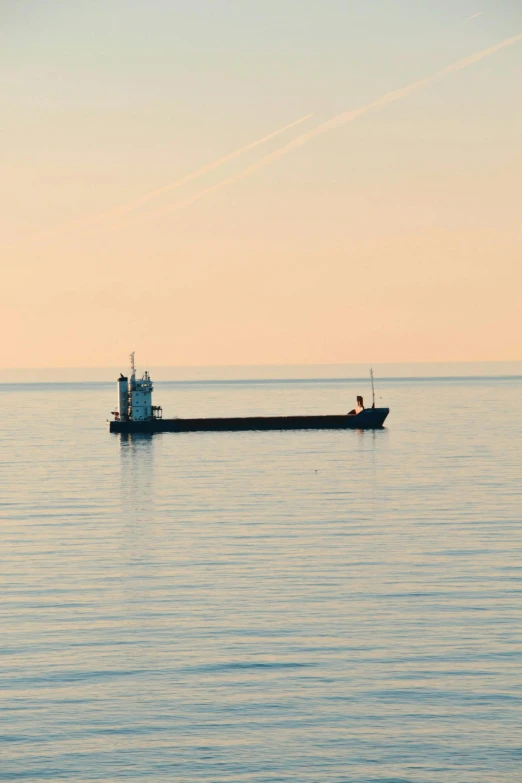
319 607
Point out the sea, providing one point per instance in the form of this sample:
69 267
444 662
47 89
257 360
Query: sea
313 607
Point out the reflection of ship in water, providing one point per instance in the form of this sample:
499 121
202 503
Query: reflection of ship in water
139 530
137 472
136 414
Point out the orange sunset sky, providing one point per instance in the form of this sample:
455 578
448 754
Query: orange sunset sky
390 236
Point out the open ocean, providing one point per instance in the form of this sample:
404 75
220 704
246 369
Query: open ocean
314 607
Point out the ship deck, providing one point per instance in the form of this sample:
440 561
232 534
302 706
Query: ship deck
370 418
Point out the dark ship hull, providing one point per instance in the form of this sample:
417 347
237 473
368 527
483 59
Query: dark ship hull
368 419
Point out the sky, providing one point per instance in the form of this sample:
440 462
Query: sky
394 237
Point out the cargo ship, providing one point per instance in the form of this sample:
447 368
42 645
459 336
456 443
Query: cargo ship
136 414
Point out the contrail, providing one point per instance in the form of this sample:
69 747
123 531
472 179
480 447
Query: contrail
344 119
131 205
474 16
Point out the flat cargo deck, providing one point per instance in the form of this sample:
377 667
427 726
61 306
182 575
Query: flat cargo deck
368 419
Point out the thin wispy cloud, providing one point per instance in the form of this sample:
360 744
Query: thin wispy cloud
130 206
344 119
474 16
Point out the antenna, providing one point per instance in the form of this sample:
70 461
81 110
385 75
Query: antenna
131 359
373 387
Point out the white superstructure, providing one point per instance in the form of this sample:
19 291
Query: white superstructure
122 410
135 397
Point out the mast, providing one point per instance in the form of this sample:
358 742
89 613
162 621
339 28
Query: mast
373 387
